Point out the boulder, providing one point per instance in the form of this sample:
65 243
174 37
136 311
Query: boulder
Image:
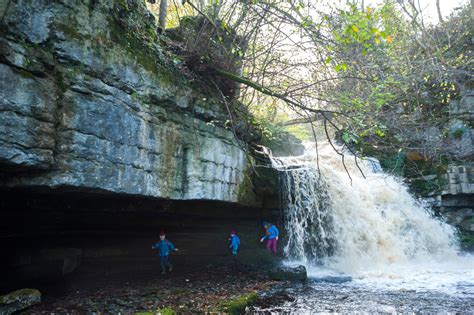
285 273
19 300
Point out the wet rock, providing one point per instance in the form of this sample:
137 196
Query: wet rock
18 300
273 300
333 279
290 145
468 224
284 273
457 216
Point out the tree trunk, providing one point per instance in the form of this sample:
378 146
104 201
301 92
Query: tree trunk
440 16
163 9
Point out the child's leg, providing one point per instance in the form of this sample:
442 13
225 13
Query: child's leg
274 246
163 262
168 263
269 245
235 250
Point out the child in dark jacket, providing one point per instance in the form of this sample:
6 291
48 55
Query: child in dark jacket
234 242
164 247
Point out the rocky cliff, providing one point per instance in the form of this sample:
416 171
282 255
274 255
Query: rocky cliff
105 141
455 201
451 190
90 101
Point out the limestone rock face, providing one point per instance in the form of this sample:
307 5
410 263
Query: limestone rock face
455 200
90 101
459 179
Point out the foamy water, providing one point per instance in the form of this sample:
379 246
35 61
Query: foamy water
370 229
454 276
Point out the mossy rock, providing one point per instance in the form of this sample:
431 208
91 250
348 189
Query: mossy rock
237 306
425 187
19 300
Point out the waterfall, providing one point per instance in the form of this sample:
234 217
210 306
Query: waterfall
350 222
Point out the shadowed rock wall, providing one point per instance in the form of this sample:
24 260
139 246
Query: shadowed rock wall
48 235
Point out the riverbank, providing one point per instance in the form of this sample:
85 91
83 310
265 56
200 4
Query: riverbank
129 287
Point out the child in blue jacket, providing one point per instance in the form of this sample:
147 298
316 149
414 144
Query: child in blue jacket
234 242
164 247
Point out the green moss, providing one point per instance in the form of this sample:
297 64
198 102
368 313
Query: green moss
394 163
24 73
424 187
457 134
259 187
123 4
245 194
237 306
70 30
166 311
161 311
60 81
169 167
467 240
142 44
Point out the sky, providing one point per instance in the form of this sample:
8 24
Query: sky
430 13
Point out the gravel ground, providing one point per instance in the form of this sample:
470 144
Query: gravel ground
128 287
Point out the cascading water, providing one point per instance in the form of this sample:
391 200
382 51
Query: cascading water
308 216
366 225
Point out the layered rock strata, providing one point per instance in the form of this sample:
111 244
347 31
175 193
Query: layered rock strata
90 101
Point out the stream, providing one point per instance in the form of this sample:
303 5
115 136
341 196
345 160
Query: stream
334 294
367 243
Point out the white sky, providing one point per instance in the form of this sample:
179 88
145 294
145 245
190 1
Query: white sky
430 13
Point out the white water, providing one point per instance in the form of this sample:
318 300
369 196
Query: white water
371 229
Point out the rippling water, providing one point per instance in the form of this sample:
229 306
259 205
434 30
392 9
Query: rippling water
436 287
322 297
442 288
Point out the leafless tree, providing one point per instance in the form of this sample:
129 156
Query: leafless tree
288 64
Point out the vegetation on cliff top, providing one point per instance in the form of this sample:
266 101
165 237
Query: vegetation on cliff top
375 77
